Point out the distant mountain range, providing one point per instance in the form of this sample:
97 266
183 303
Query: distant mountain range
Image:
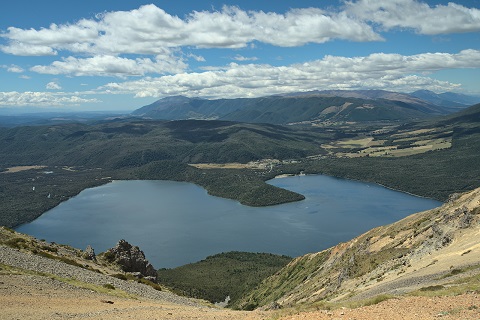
331 106
10 119
450 100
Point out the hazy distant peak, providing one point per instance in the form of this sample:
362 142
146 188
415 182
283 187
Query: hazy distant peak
454 101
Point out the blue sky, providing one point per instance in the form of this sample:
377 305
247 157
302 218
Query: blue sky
120 55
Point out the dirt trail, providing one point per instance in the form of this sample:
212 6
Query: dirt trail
465 307
30 297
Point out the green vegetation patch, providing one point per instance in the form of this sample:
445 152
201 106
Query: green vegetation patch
227 274
17 243
244 185
432 288
127 277
109 286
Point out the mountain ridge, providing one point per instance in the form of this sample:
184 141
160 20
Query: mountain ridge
313 106
452 101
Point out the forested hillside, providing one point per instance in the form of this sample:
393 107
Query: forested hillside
315 107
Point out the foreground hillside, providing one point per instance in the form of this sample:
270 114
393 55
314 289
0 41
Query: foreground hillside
30 297
436 252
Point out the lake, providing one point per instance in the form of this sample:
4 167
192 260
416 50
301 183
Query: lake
176 223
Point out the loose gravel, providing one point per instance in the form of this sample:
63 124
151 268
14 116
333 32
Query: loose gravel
28 261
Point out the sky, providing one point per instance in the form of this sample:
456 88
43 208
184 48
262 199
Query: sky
105 55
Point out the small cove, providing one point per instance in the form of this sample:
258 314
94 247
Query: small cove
176 223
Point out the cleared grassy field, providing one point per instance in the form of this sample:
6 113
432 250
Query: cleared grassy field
402 144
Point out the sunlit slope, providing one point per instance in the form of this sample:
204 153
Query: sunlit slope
432 250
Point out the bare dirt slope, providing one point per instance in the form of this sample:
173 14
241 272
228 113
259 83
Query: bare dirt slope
35 297
29 297
36 287
466 307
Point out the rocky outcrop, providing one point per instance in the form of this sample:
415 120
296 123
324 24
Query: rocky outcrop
132 259
89 254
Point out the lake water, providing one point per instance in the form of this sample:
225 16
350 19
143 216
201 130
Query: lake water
176 223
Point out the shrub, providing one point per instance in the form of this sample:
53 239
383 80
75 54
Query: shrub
9 230
151 284
49 248
109 286
250 306
377 299
17 243
432 288
109 256
120 276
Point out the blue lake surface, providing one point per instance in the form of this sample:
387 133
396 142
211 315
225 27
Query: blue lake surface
176 223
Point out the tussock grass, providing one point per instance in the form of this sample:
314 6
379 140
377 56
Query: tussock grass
129 277
109 286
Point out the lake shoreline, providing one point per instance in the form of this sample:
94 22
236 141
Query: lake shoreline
287 175
217 224
279 202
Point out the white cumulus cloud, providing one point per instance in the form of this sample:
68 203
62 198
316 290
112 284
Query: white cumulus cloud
105 65
26 49
42 99
14 68
53 86
242 58
149 30
375 71
104 45
440 19
196 57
